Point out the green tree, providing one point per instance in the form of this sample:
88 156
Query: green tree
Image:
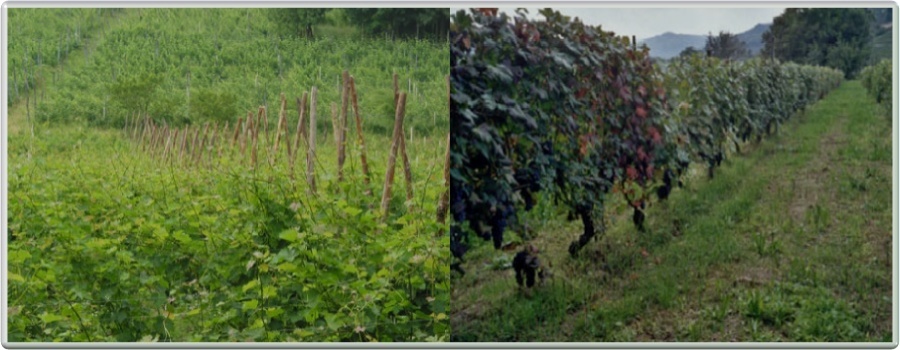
726 46
837 38
688 51
402 22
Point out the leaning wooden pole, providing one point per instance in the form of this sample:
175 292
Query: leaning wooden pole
359 136
407 172
237 130
278 129
311 150
392 159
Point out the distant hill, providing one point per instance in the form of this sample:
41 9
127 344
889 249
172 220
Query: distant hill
753 38
668 44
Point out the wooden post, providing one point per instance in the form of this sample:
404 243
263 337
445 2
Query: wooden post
345 92
311 150
359 136
301 110
392 159
407 172
279 127
237 130
302 107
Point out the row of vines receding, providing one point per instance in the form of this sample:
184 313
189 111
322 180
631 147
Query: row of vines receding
580 114
877 81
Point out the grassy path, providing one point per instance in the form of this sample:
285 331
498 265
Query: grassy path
790 242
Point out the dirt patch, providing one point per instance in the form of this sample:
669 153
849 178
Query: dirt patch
808 184
754 276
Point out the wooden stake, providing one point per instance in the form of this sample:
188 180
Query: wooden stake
280 127
237 130
407 172
359 136
301 110
302 107
392 159
311 150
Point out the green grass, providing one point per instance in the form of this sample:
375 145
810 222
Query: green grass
108 242
790 242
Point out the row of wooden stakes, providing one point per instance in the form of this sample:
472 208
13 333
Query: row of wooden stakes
201 145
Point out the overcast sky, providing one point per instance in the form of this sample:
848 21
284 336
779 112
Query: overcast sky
647 22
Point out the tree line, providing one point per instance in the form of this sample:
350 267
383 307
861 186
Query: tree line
839 38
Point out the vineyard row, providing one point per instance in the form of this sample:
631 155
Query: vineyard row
578 113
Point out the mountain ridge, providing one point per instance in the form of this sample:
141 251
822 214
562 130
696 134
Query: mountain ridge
669 44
